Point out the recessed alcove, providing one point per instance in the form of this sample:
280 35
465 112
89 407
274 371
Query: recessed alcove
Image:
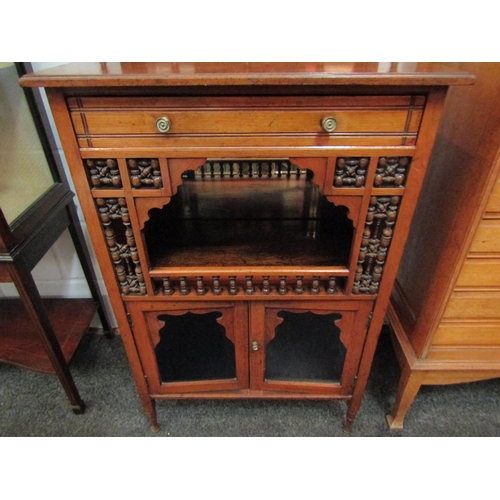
249 214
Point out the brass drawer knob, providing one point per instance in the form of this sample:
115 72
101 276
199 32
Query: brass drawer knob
163 124
255 346
329 124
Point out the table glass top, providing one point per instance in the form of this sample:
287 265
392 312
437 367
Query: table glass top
24 171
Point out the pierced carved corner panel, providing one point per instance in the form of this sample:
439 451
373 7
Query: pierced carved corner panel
103 173
144 173
392 171
350 172
352 203
377 236
114 216
144 206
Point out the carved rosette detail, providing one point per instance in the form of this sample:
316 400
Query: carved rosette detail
391 171
350 172
144 173
104 173
120 240
377 236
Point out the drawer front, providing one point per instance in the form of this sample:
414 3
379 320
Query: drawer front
101 122
469 354
480 273
494 200
487 238
468 334
479 305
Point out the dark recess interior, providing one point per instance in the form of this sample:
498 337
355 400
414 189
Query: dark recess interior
249 222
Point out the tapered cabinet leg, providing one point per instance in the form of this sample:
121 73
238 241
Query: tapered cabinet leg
409 385
352 411
349 419
152 416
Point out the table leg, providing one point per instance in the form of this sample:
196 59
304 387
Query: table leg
32 301
409 385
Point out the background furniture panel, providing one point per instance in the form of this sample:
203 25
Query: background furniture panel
36 334
445 307
19 342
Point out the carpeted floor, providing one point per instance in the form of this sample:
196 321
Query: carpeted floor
33 404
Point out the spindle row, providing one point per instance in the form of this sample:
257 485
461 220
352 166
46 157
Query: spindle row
248 169
234 285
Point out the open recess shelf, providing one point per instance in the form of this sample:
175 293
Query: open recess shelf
281 222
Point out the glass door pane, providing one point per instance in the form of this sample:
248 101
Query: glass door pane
306 347
194 347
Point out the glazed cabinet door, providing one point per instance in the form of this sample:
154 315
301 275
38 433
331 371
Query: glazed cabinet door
192 347
306 347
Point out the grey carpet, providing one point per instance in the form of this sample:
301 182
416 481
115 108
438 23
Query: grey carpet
33 404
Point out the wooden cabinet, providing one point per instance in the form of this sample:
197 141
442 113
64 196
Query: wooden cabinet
445 307
248 225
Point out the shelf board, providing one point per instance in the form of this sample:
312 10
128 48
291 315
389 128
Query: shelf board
241 271
19 341
279 254
247 243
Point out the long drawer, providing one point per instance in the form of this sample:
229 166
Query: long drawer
494 199
477 273
360 120
482 305
487 237
478 333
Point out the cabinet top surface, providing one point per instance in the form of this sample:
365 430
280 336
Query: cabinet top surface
241 73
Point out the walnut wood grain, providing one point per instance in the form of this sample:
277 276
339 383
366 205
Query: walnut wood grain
235 74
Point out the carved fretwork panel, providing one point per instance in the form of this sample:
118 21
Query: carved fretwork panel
144 173
392 171
377 236
103 173
350 172
120 240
